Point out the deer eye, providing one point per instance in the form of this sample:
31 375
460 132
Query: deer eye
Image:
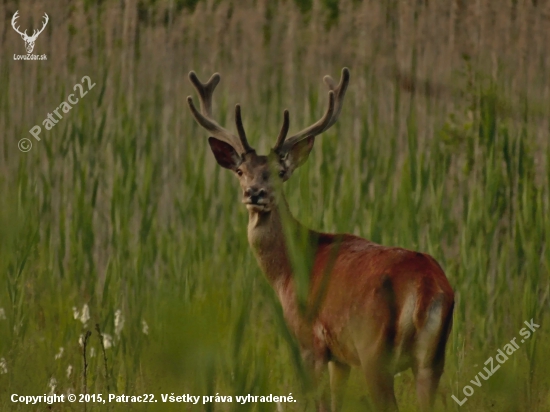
281 173
239 172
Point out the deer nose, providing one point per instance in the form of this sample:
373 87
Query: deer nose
255 194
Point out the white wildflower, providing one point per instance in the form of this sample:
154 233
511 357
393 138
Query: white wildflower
60 353
17 326
107 341
92 352
2 314
85 314
81 340
119 322
52 384
3 366
145 327
69 371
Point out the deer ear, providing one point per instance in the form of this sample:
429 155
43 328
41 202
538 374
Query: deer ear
225 154
298 154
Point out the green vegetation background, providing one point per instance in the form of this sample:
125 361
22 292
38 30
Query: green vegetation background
442 146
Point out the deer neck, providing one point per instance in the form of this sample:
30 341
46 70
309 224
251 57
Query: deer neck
267 240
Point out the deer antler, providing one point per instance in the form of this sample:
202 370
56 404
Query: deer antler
336 99
35 33
284 130
15 17
204 116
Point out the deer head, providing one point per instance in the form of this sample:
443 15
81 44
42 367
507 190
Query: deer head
29 40
257 173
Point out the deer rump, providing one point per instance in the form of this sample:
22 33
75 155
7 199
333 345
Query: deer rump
370 300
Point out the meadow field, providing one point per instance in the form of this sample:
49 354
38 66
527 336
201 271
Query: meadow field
119 222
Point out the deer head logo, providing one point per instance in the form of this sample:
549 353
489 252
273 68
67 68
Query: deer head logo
29 40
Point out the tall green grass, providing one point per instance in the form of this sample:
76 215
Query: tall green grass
442 146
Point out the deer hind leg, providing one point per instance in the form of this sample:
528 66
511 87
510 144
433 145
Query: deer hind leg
427 381
380 385
339 374
379 377
430 353
317 369
375 348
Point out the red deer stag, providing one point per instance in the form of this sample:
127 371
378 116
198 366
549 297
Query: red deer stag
384 309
